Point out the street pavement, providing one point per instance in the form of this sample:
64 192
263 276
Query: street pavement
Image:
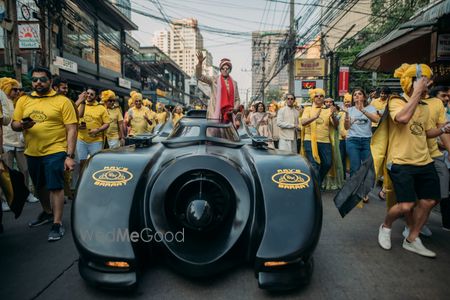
349 264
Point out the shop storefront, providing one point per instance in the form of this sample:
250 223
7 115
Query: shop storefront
425 38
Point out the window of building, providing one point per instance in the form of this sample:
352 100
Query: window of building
79 38
109 47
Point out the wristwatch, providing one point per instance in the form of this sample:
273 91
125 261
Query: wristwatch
72 156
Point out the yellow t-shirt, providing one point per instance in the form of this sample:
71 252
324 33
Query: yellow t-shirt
51 113
380 106
342 130
176 117
95 115
161 117
138 124
437 116
408 142
322 124
115 116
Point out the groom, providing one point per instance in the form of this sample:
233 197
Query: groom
224 90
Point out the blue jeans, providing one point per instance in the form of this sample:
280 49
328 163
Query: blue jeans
321 169
343 155
84 149
358 150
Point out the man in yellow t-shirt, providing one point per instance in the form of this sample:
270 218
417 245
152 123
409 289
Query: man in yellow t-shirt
94 121
49 124
177 114
411 167
316 121
161 114
380 103
138 117
114 133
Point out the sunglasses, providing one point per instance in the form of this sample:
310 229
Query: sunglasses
111 101
317 96
290 98
16 89
41 79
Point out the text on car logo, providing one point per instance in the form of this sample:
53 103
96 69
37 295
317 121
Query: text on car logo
291 179
112 176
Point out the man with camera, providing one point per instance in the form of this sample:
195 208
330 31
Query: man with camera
49 123
410 165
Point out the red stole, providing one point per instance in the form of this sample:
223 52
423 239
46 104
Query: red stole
226 98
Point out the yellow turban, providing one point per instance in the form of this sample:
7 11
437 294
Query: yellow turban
106 95
347 97
147 102
406 73
135 96
6 84
313 92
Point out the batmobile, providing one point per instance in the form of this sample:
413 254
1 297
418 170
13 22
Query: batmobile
204 197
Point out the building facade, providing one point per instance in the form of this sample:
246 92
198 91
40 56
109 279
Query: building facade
187 40
124 6
266 60
163 40
164 80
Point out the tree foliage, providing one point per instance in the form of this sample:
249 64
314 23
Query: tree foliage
386 17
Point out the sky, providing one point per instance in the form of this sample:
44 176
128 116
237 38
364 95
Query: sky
230 15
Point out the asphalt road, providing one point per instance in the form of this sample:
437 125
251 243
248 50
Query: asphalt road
349 264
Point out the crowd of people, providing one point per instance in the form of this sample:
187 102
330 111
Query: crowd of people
49 136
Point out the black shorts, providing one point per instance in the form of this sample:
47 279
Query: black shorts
47 171
415 182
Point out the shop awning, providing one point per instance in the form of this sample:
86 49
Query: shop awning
409 43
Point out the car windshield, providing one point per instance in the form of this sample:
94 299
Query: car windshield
226 133
185 131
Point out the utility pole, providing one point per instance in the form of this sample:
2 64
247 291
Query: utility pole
263 56
291 48
13 40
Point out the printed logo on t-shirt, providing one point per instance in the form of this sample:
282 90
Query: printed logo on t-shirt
360 121
416 128
88 118
38 116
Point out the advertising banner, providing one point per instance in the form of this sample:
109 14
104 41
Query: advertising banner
344 77
309 67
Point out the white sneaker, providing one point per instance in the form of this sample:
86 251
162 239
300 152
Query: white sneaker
418 247
32 199
384 237
5 206
425 231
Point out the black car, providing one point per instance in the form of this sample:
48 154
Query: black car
202 196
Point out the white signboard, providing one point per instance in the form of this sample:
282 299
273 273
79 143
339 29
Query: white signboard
124 83
443 47
25 9
29 36
303 86
66 64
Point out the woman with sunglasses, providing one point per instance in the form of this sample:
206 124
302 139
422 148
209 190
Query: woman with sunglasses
358 121
317 121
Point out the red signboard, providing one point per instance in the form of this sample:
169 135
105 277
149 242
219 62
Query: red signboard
308 84
344 76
